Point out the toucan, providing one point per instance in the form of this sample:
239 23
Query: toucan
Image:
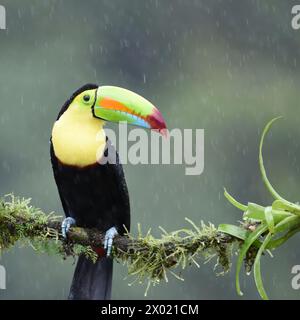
93 192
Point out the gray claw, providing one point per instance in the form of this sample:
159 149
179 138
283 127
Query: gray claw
108 240
66 225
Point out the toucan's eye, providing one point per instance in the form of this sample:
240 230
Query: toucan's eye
86 98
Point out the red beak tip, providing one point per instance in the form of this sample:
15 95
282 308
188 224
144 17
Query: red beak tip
157 123
164 132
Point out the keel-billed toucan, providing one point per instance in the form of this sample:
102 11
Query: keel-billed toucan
94 194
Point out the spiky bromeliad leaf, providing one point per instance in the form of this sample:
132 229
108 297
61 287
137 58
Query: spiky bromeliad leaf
257 272
285 224
253 236
280 202
273 192
276 223
234 202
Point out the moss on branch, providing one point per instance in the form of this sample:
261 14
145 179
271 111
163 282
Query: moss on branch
147 258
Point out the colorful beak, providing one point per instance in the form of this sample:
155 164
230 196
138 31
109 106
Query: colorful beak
117 104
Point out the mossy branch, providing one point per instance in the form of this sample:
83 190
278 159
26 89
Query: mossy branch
147 258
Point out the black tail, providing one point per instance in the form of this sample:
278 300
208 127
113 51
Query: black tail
92 281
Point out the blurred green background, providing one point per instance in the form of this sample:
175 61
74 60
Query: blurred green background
225 66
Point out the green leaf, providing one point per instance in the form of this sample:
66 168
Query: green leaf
255 211
288 223
243 251
280 241
237 232
291 224
261 161
269 219
256 267
278 215
286 205
234 202
233 230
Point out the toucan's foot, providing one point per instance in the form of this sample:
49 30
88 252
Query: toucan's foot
66 225
108 240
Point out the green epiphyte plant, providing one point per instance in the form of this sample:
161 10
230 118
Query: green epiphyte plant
271 226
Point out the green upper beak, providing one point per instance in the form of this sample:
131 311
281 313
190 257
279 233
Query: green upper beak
117 104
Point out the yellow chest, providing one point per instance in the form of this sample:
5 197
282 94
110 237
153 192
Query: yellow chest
78 139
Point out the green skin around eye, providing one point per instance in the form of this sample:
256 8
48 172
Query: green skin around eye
89 93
